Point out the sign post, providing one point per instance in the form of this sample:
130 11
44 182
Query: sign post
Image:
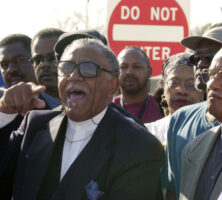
156 26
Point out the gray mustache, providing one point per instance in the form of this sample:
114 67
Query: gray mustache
73 86
213 93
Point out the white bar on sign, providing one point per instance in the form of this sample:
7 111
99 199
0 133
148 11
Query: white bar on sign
123 32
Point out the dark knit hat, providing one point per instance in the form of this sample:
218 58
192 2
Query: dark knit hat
67 38
179 59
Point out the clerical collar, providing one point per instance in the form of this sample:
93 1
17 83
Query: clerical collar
89 124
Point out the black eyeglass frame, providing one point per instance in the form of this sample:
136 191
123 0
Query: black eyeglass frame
204 75
171 84
210 75
50 57
98 67
18 61
205 56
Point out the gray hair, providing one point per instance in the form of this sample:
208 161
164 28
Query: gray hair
107 52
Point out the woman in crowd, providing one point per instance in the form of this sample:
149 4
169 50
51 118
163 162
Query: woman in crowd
178 91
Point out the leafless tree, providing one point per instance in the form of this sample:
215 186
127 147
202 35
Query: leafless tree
199 30
79 20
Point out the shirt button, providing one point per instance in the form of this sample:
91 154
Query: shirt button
26 155
212 177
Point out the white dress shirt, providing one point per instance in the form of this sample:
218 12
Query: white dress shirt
80 133
5 119
159 128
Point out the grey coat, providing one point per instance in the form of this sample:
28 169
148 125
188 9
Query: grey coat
194 158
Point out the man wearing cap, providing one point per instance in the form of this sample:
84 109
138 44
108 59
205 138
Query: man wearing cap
205 47
190 121
89 150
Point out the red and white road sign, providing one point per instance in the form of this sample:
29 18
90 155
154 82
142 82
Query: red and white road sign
156 26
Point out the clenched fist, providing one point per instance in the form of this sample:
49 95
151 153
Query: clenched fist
21 98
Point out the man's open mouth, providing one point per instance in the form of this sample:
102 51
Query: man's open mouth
75 94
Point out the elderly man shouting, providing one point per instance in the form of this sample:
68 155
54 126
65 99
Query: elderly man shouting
90 150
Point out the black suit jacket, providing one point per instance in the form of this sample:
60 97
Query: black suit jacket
122 157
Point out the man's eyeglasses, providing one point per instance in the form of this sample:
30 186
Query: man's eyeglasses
204 74
16 61
86 69
207 75
207 57
36 60
173 84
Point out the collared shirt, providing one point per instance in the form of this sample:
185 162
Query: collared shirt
151 112
80 133
51 101
5 119
210 172
159 128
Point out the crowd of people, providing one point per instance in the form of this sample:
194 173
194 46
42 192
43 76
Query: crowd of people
77 121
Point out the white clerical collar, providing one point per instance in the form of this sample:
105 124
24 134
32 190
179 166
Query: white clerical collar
84 128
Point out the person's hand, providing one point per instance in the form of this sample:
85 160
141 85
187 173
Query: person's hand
21 98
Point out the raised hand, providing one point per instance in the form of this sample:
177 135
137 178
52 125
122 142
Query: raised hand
21 98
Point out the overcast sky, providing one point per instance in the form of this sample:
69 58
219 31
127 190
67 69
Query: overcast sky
29 16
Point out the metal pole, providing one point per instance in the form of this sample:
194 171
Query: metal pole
87 14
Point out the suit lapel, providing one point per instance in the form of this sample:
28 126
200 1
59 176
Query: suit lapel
196 161
39 155
55 124
217 191
91 160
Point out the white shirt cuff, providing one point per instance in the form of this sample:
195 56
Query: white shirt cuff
5 119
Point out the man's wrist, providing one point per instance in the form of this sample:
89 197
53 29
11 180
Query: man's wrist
2 91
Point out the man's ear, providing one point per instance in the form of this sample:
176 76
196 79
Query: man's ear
113 86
